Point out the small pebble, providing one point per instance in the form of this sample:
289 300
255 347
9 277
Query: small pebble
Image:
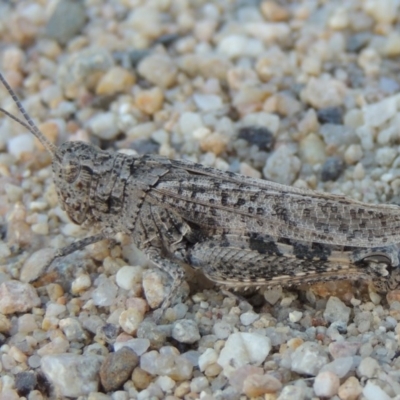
117 368
189 122
312 149
340 366
336 311
353 154
130 319
128 276
17 297
332 96
331 169
309 358
104 126
153 287
185 331
206 359
25 382
21 144
368 368
326 384
292 392
331 115
159 70
248 318
258 135
72 375
149 101
282 166
258 385
115 80
66 21
372 391
243 348
34 266
80 284
350 389
105 292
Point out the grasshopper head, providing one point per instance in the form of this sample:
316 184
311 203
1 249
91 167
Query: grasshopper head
73 172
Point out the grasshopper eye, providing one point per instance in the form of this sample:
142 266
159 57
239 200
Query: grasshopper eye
71 168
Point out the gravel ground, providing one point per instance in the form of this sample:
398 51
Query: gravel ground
303 93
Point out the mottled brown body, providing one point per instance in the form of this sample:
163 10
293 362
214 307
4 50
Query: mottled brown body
239 231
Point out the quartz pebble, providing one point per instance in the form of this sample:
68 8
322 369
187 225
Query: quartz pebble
326 384
128 276
104 126
115 80
35 264
17 297
166 363
371 391
185 331
21 144
130 319
72 375
336 312
153 288
350 389
308 358
159 70
243 348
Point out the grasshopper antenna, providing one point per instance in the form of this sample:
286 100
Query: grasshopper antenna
29 124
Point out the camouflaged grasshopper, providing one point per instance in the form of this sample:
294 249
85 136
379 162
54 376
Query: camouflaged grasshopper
238 231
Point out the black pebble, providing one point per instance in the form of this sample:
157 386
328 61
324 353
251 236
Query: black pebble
330 115
332 169
258 135
25 382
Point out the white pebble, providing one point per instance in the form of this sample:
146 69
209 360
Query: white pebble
189 122
326 384
243 348
282 166
385 156
130 319
233 46
105 292
153 287
377 114
20 144
249 317
372 391
158 69
185 331
104 125
309 358
295 316
353 154
208 358
165 383
35 264
17 297
128 276
383 11
73 375
207 102
80 284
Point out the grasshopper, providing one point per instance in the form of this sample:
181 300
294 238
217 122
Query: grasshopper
239 231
